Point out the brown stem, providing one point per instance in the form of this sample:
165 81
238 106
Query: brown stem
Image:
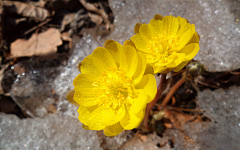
152 103
172 91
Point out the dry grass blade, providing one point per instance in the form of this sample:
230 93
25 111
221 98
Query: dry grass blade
26 10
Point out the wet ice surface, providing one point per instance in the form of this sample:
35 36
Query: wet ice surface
223 132
52 132
217 22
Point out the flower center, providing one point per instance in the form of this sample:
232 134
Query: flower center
162 48
119 87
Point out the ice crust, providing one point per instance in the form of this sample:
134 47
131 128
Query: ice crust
216 21
53 132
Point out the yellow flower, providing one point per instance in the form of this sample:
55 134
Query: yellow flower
113 89
168 43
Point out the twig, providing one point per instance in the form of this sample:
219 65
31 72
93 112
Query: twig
152 103
37 26
176 108
172 91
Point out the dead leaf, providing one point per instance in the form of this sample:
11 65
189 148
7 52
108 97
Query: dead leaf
39 44
52 109
66 37
26 10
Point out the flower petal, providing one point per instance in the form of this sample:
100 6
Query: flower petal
109 116
137 77
85 127
148 83
138 103
195 38
136 28
169 26
113 130
180 66
139 43
70 98
146 32
85 113
178 59
103 59
186 36
87 90
131 121
129 42
115 48
156 24
129 60
107 42
158 17
96 63
87 66
190 51
149 70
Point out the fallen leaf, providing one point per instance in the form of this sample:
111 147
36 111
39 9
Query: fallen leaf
66 37
51 109
26 10
39 44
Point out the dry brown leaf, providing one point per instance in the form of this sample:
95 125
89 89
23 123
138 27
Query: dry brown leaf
66 37
39 44
26 10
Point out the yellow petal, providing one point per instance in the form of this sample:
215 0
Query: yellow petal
148 83
85 113
103 59
87 66
129 60
169 26
184 26
129 42
156 24
137 77
186 36
190 51
195 38
158 17
131 121
87 90
139 102
105 115
149 70
136 28
113 130
115 48
146 32
107 42
178 59
85 127
109 116
88 96
139 43
86 81
70 98
180 66
152 58
161 69
96 63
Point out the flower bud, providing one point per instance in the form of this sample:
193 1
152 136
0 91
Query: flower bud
195 69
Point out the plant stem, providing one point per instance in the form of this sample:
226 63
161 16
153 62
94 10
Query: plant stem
152 103
172 91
